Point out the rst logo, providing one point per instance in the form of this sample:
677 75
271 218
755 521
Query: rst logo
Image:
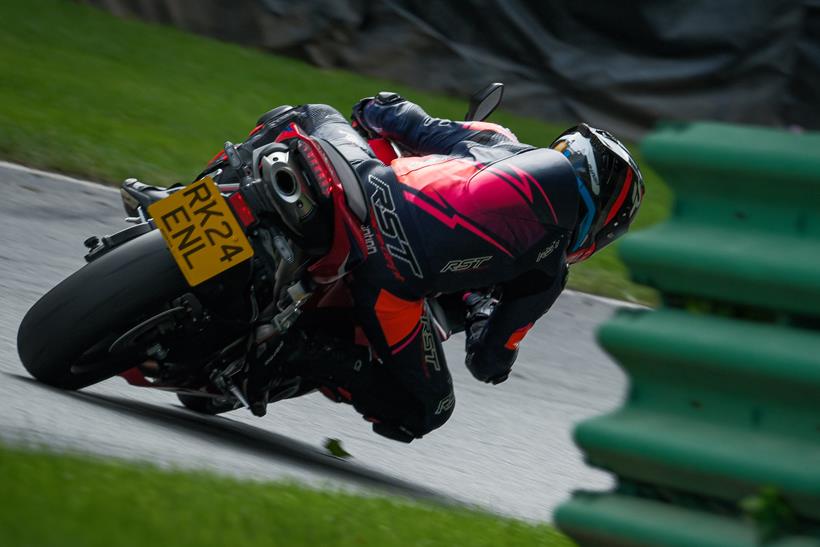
465 264
430 350
390 225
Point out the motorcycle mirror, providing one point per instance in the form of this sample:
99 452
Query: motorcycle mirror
484 102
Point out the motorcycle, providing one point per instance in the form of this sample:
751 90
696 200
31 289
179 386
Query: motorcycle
208 285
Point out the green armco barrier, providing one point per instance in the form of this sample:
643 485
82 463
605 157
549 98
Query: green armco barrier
611 520
745 226
718 441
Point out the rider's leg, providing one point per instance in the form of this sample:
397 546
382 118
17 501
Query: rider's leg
408 392
405 388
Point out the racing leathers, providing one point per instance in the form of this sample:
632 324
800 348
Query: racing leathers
468 207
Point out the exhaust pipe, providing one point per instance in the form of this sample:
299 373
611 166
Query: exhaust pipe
280 175
286 185
286 191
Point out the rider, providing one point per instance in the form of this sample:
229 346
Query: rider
469 207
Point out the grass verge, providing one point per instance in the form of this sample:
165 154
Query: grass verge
85 93
50 499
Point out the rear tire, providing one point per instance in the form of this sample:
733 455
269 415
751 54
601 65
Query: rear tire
76 321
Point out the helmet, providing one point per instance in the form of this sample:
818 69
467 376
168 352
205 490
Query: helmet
610 185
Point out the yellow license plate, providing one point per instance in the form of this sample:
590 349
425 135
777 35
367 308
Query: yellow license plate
201 231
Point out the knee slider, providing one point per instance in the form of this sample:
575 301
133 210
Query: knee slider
442 412
431 417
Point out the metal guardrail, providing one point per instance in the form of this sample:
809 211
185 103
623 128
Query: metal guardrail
718 440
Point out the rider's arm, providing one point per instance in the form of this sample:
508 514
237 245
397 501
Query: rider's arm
491 351
407 124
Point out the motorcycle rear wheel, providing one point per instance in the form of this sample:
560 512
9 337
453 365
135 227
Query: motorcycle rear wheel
64 339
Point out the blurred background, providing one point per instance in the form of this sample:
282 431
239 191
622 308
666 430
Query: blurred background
620 65
110 89
103 90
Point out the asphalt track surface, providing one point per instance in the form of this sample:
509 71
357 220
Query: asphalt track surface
507 448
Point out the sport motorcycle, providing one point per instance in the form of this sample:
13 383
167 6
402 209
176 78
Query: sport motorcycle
207 284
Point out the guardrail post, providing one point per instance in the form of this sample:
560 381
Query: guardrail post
718 440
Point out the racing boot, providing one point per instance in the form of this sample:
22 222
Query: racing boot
297 366
267 381
347 373
325 363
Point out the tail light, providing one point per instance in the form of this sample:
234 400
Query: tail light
316 161
242 210
317 165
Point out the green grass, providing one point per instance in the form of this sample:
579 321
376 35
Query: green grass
88 94
59 500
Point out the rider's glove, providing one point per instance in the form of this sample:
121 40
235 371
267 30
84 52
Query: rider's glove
492 367
487 366
357 119
357 115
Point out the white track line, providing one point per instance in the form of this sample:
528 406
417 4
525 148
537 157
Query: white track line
64 178
608 301
56 176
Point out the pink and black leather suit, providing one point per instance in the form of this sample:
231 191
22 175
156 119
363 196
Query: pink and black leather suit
470 207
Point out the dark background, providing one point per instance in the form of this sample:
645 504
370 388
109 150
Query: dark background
619 65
